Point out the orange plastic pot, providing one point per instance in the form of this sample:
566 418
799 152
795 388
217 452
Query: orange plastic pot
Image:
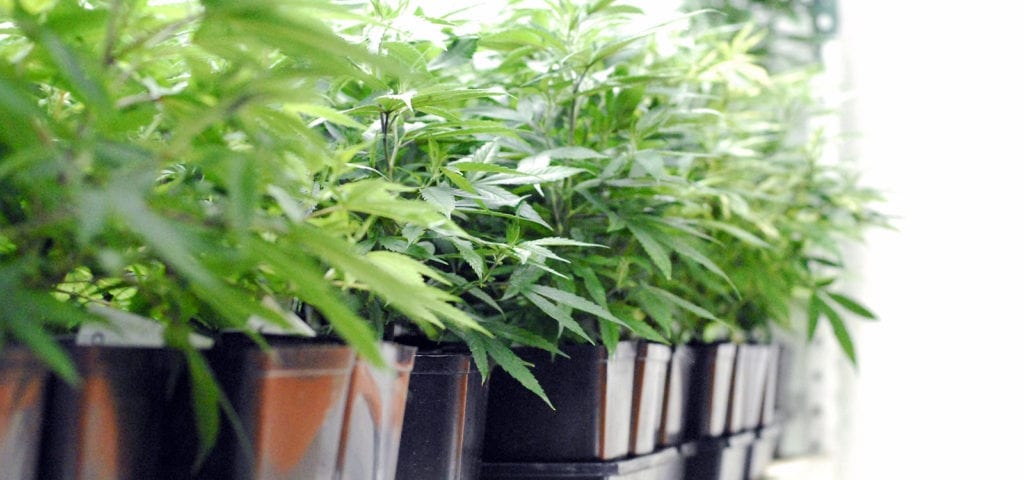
374 410
22 389
290 400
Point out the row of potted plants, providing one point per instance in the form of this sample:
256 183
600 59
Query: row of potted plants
324 188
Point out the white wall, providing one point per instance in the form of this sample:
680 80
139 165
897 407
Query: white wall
940 88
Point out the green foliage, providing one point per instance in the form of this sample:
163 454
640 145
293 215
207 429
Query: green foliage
547 175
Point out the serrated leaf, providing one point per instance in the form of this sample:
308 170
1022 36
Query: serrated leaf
683 303
593 284
852 306
813 314
459 52
575 301
484 167
564 242
475 261
737 232
841 334
572 153
517 368
441 197
527 212
458 180
563 318
529 177
655 251
326 113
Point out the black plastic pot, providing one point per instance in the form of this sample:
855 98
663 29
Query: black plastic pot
592 394
670 432
707 408
720 458
290 401
762 450
748 388
22 395
648 396
664 464
372 426
113 425
771 387
442 433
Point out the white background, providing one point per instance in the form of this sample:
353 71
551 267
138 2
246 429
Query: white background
939 108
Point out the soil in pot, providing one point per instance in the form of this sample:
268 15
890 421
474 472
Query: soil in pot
22 390
707 408
677 384
592 395
442 433
372 426
648 396
112 426
290 400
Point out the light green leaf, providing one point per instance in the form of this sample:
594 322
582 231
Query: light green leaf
572 153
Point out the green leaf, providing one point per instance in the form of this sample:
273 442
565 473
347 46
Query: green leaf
513 38
577 302
205 398
655 250
593 285
441 197
517 368
326 113
475 261
813 314
459 52
683 303
458 180
572 153
841 334
563 318
852 305
312 288
737 232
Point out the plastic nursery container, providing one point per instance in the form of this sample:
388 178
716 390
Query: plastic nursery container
372 426
113 425
592 394
22 394
720 458
710 383
771 388
670 432
648 396
290 400
442 434
665 464
748 387
762 451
